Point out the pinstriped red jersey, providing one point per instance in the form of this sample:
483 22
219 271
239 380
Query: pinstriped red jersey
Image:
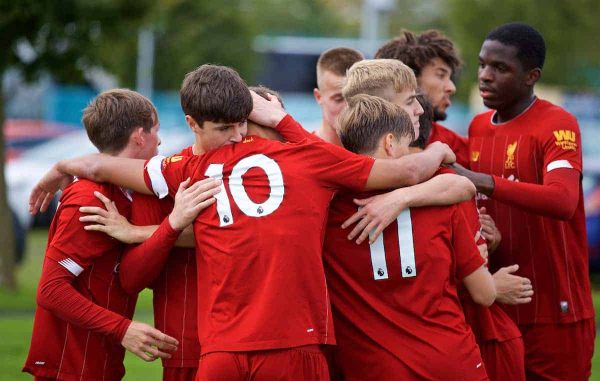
63 350
174 291
261 282
551 252
396 310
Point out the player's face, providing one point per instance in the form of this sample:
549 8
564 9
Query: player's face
329 96
213 135
150 143
501 76
407 100
436 83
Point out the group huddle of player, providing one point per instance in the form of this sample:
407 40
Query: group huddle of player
358 252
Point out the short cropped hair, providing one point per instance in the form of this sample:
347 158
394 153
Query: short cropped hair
530 44
374 77
111 117
263 91
418 51
425 121
215 93
337 61
367 119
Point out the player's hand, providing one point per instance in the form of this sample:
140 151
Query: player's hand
483 248
512 289
108 221
189 201
148 343
375 214
267 113
448 156
43 192
489 230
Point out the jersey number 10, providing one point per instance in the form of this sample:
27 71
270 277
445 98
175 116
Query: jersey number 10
405 246
238 192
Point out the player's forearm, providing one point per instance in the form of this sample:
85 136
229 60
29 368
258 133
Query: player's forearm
125 172
405 171
558 197
444 189
138 234
481 287
141 264
57 295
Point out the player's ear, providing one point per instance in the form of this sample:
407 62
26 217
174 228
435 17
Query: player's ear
317 95
533 76
192 124
389 141
137 136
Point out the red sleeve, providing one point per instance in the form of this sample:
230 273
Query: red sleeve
164 174
57 294
559 184
337 167
466 254
293 132
74 244
152 254
469 209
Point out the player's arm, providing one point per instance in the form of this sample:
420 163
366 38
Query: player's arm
269 113
152 254
409 169
557 197
128 173
470 266
377 212
57 295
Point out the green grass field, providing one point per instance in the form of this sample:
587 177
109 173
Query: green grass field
16 319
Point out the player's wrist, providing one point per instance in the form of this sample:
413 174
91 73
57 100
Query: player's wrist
176 223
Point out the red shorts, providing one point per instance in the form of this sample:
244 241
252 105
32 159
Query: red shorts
559 351
171 373
504 360
290 364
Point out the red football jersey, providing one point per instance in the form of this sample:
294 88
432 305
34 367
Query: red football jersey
259 248
174 290
396 310
458 144
550 252
63 350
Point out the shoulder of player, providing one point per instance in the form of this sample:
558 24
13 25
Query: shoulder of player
81 191
554 115
428 214
482 119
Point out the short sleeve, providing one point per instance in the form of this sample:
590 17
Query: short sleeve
466 254
164 174
561 141
336 167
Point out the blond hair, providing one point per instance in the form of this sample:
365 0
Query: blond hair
374 77
367 119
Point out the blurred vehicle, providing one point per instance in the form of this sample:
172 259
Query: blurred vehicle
23 134
24 172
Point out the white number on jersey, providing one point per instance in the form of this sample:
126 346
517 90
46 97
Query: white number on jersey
238 192
406 247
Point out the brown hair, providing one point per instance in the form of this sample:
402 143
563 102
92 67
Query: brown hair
337 61
367 119
263 91
215 93
418 51
113 115
425 122
374 77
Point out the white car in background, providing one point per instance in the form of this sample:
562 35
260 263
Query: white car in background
25 171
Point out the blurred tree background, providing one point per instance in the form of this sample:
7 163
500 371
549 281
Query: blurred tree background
69 39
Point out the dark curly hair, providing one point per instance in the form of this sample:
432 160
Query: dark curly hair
418 51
